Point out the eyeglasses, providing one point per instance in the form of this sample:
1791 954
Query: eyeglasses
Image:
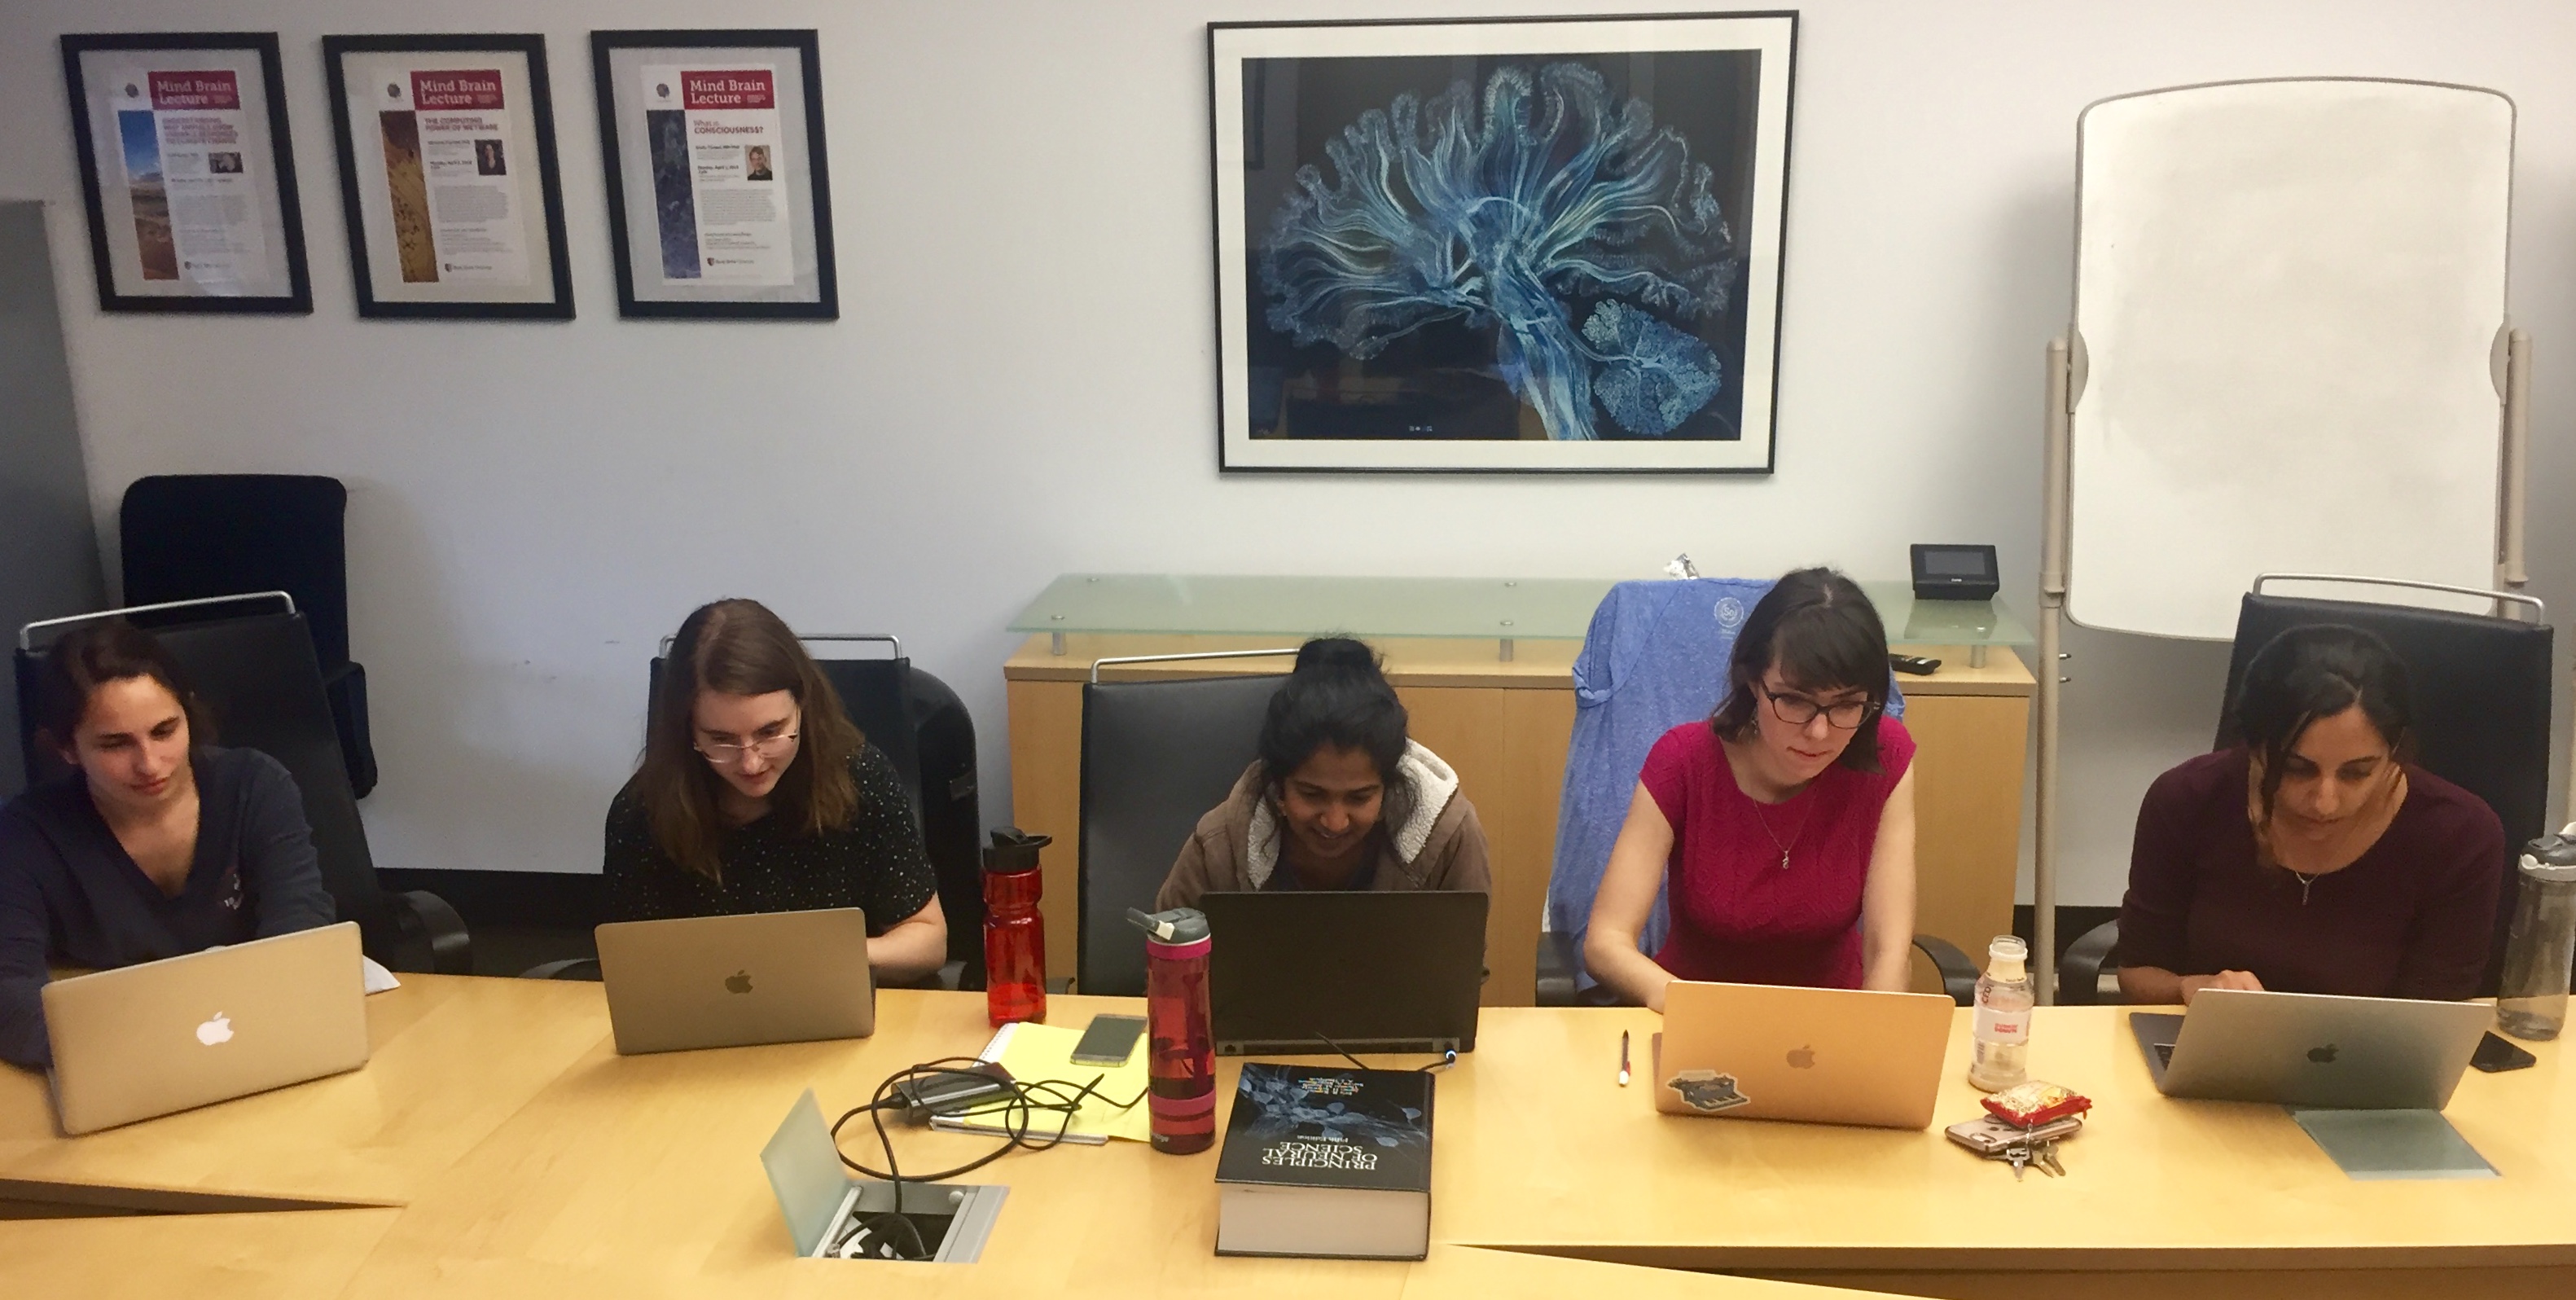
770 748
1798 710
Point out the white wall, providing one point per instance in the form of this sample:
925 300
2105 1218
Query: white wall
1021 383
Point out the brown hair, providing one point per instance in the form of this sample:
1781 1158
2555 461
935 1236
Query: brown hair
2313 672
111 650
1822 633
739 648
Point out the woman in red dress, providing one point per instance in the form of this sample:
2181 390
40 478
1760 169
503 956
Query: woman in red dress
1784 824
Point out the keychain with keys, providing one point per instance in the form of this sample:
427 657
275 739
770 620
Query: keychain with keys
1997 1139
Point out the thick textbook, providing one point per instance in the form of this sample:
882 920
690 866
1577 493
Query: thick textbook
1326 1162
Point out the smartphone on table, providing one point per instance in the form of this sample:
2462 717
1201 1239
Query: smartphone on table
2496 1055
1109 1040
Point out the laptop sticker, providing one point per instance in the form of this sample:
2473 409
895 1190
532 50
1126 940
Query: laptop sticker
1707 1090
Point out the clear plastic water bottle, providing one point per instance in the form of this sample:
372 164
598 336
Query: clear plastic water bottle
2541 949
1999 1048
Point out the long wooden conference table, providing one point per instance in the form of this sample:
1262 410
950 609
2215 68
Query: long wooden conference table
496 1146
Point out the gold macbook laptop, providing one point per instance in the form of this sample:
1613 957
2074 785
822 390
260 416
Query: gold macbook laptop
171 1035
1828 1056
733 981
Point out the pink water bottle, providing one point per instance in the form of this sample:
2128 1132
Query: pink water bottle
1183 1053
1014 933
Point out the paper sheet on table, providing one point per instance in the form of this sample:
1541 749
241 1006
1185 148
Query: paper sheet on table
1034 1053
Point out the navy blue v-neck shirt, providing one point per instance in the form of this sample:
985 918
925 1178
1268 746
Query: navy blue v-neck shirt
70 895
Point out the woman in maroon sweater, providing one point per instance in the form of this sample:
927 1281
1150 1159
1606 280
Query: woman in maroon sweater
2312 858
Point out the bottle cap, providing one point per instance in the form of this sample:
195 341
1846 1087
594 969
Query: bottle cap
2551 857
1180 925
2006 956
1014 850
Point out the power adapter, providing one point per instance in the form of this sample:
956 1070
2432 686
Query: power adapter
949 1092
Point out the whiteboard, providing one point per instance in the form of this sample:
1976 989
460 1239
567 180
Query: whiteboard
2287 293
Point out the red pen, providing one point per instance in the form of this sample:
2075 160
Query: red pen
1623 1058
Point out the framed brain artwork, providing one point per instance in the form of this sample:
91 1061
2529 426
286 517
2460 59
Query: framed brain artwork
1535 245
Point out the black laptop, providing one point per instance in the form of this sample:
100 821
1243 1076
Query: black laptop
1303 973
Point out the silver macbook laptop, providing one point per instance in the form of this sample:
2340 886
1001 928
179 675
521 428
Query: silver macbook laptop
1828 1056
165 1036
732 981
2312 1049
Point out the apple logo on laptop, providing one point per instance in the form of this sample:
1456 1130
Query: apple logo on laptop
2322 1055
217 1030
738 982
1803 1058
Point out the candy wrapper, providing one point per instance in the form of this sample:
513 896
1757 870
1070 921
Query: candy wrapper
2035 1103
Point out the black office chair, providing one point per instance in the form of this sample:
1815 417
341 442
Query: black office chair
191 536
1156 755
2481 684
260 680
928 737
952 822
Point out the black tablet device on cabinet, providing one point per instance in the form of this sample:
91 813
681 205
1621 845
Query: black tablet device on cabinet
1955 572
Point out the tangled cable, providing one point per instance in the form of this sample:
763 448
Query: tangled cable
1018 1105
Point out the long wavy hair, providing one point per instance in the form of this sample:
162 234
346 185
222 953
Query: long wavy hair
738 647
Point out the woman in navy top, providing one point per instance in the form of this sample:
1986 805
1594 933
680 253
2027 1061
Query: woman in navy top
153 846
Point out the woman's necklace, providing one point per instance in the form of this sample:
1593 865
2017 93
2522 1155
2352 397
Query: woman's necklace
1765 824
2305 880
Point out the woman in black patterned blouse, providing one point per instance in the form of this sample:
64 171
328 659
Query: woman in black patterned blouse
757 794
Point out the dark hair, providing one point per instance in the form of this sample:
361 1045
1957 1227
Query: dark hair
2307 673
1816 627
1336 696
739 648
110 650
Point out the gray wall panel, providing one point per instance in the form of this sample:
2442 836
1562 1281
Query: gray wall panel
46 534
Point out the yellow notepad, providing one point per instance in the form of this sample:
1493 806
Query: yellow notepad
1033 1053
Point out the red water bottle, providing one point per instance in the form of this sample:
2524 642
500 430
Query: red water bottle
1183 1058
1014 933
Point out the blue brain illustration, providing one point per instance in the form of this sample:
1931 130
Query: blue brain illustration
1569 225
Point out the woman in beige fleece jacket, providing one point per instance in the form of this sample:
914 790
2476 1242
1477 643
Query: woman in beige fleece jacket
1339 797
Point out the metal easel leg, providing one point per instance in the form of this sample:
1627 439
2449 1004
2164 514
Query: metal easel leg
2052 618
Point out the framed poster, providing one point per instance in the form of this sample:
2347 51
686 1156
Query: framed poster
719 195
1535 245
187 171
448 176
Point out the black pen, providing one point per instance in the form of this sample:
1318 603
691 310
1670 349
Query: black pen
1623 1058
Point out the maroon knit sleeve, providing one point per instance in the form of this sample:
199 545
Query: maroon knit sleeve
2461 846
1669 766
1895 753
2155 911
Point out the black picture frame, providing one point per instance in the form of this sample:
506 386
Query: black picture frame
614 147
298 298
1454 399
541 120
